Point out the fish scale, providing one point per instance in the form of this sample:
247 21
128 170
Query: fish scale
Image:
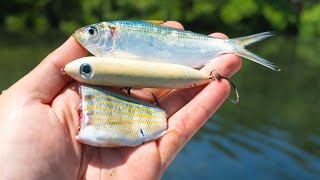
145 41
118 120
168 45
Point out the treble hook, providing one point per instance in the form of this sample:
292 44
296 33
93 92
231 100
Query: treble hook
219 77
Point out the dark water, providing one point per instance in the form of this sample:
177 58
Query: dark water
273 133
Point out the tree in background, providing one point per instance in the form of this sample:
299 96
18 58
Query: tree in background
231 16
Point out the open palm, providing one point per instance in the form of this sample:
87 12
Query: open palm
40 120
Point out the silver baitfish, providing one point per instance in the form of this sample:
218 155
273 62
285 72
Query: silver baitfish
148 41
109 119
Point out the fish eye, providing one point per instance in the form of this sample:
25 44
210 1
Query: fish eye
85 70
92 30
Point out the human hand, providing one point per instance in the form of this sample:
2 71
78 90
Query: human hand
40 121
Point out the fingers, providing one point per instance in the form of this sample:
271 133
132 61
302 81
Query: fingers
146 93
46 80
186 122
173 24
190 108
227 65
219 35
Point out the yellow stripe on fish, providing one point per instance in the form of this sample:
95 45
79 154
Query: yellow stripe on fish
98 110
110 119
123 103
126 122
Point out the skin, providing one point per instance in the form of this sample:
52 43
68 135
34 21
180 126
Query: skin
39 120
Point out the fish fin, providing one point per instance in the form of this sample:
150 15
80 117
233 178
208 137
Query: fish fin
155 22
164 133
168 131
248 40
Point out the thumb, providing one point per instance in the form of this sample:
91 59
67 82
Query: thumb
46 80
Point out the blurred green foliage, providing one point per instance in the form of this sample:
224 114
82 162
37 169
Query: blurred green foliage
232 16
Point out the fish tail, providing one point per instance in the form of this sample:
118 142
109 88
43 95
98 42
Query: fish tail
248 40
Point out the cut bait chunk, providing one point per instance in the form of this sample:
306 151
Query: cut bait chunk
110 119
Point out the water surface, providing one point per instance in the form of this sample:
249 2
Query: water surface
273 133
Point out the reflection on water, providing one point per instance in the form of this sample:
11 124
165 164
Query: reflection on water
273 132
